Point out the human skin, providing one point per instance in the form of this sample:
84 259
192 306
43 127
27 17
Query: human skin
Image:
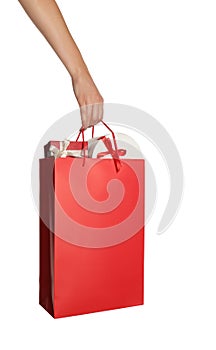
47 17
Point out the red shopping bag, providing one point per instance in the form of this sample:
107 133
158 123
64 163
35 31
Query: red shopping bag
91 234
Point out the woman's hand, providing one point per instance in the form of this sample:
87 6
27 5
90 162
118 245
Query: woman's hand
89 99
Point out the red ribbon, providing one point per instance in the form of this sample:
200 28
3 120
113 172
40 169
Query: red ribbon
115 153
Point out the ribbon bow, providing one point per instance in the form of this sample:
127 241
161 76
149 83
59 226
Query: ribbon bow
115 153
62 152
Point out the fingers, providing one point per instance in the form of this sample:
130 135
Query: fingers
84 120
94 116
91 114
100 112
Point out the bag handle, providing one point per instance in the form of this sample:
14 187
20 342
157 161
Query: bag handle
115 153
113 135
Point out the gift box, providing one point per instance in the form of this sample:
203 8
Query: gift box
127 146
65 148
91 233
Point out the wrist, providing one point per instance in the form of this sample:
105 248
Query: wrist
79 71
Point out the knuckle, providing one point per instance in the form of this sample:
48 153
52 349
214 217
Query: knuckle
100 99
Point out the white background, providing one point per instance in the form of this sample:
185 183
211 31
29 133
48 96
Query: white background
155 55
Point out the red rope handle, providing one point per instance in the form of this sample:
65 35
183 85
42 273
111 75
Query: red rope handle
82 130
78 135
114 139
83 146
83 141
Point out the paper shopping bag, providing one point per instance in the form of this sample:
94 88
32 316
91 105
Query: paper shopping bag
91 234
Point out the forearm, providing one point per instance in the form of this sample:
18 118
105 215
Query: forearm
47 17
